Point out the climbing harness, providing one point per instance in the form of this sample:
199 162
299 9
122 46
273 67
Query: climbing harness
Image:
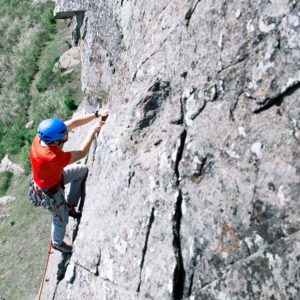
45 198
36 195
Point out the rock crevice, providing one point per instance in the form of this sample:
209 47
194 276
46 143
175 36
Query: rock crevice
149 225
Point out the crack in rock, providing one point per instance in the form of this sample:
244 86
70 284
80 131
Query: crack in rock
191 283
193 264
76 35
149 226
180 120
179 153
179 271
97 265
278 99
190 12
54 293
86 269
130 176
232 109
233 64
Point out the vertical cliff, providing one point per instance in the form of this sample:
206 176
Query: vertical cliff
193 190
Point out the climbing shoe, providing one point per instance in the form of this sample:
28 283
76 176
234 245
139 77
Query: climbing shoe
64 248
73 213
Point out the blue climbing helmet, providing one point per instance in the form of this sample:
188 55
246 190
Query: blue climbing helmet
51 130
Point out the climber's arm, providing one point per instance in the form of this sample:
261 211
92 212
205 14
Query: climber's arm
85 146
81 120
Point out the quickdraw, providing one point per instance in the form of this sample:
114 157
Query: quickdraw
36 195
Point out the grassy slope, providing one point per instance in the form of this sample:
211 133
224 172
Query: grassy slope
25 232
24 242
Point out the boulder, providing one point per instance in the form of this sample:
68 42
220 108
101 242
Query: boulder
70 59
6 199
29 124
7 165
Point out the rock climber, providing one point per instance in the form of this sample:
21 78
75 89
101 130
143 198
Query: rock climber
52 168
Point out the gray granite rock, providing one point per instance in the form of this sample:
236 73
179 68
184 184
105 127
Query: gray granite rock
69 59
7 165
6 199
193 188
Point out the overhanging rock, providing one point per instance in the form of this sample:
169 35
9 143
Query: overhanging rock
65 9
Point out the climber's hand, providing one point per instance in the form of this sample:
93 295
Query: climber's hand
97 127
104 115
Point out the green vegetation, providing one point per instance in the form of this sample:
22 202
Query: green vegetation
5 181
31 43
47 75
25 30
29 88
70 102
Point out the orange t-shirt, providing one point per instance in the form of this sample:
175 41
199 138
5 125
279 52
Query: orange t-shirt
47 163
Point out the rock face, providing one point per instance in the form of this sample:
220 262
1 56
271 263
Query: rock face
193 190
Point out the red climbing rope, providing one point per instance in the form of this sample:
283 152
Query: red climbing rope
46 267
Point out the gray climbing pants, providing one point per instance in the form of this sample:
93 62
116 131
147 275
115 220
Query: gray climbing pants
74 177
